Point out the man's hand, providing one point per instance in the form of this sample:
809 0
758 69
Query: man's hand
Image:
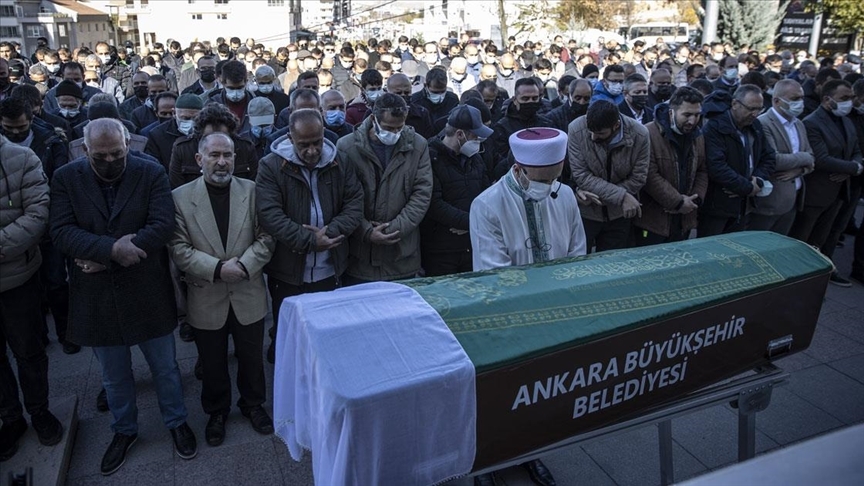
756 187
588 197
232 272
459 232
380 238
838 177
787 175
88 266
631 206
126 253
322 241
688 205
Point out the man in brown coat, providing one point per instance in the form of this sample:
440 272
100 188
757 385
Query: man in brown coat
677 174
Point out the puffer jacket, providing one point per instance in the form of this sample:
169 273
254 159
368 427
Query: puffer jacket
24 205
398 195
664 189
609 171
283 199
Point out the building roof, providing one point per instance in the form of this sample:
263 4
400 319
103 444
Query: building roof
77 7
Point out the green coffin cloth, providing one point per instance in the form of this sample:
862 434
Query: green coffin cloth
510 314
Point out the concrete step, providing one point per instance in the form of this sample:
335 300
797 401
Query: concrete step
49 464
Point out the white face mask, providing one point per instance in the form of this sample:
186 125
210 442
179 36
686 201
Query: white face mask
234 95
105 59
53 68
470 148
536 191
435 98
386 137
69 113
843 108
185 126
731 74
265 88
860 109
794 108
615 89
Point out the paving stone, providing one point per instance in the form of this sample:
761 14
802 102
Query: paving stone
831 391
633 458
797 361
829 345
790 418
250 463
849 323
149 474
711 436
852 367
830 306
294 473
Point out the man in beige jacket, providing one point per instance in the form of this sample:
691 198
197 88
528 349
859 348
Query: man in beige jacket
221 249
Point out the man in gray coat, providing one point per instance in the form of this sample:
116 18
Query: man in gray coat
786 134
23 221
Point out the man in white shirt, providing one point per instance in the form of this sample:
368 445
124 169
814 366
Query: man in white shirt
528 216
786 134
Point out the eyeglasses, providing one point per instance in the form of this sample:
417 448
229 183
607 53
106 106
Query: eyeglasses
751 109
89 80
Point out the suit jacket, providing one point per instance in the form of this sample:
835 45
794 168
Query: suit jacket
833 156
647 114
120 306
196 249
783 197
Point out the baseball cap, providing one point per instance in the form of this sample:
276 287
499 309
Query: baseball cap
466 117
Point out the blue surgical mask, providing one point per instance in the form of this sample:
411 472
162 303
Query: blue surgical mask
334 118
235 95
385 136
372 95
435 98
262 131
266 88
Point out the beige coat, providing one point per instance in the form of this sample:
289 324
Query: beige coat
196 248
784 196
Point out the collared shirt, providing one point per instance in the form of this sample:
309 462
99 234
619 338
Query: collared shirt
794 141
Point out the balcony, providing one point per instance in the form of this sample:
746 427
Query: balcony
46 16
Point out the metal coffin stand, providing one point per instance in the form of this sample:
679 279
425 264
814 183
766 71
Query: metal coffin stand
749 394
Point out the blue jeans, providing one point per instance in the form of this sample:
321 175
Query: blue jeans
119 383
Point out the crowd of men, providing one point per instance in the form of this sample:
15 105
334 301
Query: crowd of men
142 188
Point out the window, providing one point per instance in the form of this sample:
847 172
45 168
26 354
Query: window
89 27
9 31
220 2
222 16
34 30
196 17
80 27
191 1
7 11
61 30
275 3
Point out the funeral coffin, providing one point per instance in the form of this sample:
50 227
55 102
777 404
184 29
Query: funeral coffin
569 346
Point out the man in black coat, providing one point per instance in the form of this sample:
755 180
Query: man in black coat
434 97
418 117
459 174
160 140
113 213
740 160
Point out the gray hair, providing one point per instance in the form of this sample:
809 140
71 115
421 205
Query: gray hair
103 97
101 127
93 58
264 71
744 90
205 139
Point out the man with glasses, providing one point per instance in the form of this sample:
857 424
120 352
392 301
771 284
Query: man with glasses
740 161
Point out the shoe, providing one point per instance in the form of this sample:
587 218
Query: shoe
70 348
102 401
199 370
47 427
261 421
539 473
115 456
9 435
858 277
185 444
485 480
214 433
839 281
187 333
271 353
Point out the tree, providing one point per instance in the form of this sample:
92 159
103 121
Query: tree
749 22
530 17
597 14
846 15
502 20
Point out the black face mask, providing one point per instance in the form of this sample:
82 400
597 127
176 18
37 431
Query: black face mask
407 99
649 64
108 171
208 75
638 101
529 109
17 137
664 92
141 92
578 109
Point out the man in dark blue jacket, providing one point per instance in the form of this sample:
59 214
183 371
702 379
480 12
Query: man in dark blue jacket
740 160
459 174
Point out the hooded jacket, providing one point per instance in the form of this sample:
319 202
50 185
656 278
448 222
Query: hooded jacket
288 195
669 179
398 195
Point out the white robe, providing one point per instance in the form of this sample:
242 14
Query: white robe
500 235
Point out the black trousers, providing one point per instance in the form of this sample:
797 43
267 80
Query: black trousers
279 290
213 354
53 273
437 263
858 255
21 329
780 223
719 225
844 214
606 235
642 237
